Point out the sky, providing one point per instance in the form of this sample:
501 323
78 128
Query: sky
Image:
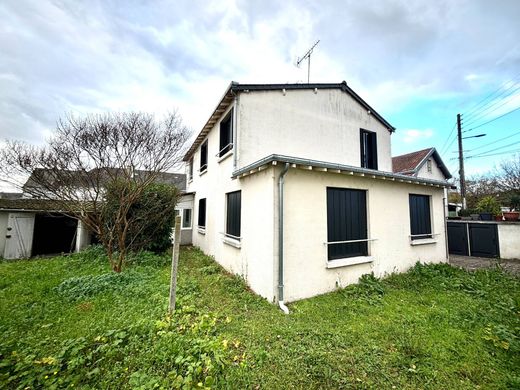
417 63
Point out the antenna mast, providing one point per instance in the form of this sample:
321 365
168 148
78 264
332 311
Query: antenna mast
308 57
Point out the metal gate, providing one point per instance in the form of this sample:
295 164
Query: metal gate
473 239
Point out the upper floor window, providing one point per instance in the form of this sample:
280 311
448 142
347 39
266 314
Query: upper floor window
347 231
226 134
233 209
204 156
429 165
202 213
190 169
420 220
368 149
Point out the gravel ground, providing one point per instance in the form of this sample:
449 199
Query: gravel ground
473 263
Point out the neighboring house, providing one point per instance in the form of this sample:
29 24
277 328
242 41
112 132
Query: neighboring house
425 163
35 226
294 191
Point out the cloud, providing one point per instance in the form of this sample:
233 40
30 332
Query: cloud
415 135
67 56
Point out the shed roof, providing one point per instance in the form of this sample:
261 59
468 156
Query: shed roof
29 204
235 88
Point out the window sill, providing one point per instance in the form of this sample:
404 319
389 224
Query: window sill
424 241
190 180
225 156
232 241
345 262
186 228
203 172
201 230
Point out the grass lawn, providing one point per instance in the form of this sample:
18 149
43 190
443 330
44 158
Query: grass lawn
70 322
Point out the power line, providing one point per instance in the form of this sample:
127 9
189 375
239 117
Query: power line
492 120
494 142
495 154
513 80
483 113
449 136
499 148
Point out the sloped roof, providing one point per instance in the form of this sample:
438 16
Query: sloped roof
29 204
407 163
410 163
78 178
235 87
333 168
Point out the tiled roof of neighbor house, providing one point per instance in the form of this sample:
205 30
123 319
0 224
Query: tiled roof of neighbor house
410 163
235 87
407 163
76 178
323 166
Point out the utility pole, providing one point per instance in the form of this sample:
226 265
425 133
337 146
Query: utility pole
461 163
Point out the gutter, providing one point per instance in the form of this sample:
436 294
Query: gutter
334 167
281 181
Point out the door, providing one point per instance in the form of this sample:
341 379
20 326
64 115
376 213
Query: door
483 239
19 236
457 239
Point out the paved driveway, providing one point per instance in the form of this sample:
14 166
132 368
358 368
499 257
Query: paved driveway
473 263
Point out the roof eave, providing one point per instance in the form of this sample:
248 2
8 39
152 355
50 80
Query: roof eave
324 166
236 87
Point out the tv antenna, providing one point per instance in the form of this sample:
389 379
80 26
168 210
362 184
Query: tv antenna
308 57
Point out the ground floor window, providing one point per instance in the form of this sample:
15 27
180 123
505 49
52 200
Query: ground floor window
186 218
233 210
346 221
202 213
420 219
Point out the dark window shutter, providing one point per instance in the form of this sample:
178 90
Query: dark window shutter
420 220
368 149
346 220
362 143
204 156
373 150
226 134
202 213
233 211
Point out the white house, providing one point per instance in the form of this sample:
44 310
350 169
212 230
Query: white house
294 191
426 163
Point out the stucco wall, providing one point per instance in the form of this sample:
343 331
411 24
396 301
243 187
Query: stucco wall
254 260
3 230
388 222
435 174
294 124
509 240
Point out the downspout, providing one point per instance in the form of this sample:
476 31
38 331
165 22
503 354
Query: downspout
235 130
444 208
281 179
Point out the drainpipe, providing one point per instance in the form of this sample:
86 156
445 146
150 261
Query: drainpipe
235 130
444 208
282 305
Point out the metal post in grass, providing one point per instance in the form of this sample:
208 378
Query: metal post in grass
175 263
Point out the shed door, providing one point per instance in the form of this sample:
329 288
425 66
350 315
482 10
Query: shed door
19 236
484 240
457 239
